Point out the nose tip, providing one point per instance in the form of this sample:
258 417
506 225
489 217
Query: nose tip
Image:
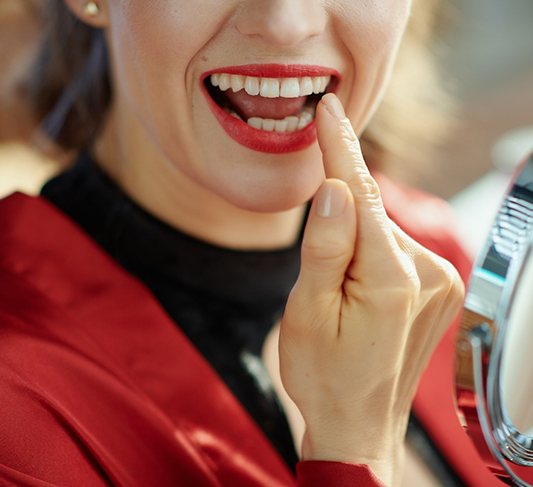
282 22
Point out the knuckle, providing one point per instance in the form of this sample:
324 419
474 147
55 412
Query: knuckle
456 292
364 185
444 280
413 285
348 135
366 188
451 281
400 291
402 272
324 249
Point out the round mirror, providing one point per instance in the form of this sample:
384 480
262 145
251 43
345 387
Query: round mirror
494 368
517 366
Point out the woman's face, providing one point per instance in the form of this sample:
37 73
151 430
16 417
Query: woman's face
163 52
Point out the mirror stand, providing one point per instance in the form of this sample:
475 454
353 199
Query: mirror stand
494 366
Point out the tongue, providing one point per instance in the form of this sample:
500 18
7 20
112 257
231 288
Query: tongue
257 106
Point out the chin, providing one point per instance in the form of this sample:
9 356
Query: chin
254 181
273 197
267 183
268 204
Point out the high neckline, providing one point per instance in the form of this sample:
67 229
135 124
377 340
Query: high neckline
138 239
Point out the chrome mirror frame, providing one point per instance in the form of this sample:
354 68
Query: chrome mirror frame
479 348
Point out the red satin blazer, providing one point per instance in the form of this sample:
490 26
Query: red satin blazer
99 387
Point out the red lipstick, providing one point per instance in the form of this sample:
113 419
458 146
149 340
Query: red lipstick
262 140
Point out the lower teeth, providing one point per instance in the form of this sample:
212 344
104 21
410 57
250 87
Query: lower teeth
286 125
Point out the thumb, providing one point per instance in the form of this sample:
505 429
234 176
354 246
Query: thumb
328 242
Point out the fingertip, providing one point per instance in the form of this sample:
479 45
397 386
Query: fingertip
330 113
333 106
337 140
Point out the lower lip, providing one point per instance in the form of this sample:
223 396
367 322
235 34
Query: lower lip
261 140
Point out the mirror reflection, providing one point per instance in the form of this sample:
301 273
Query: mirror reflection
517 363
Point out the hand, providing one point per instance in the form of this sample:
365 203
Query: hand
368 308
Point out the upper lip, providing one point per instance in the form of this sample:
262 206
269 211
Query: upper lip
276 71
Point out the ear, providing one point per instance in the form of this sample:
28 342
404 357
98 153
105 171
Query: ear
95 17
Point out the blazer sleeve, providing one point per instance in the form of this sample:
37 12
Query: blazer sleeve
312 473
309 474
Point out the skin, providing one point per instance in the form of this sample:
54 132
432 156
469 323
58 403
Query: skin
368 298
175 159
366 290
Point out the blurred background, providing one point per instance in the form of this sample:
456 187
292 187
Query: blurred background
487 59
485 54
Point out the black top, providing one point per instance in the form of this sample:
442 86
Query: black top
224 300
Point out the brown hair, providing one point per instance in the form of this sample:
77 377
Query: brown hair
71 90
416 112
70 83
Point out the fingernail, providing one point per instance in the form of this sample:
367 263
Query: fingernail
334 106
331 200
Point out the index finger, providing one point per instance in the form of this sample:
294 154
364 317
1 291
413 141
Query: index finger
344 160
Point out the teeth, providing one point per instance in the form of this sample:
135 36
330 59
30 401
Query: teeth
306 86
290 88
237 83
255 122
325 83
251 86
317 85
224 82
274 88
271 87
281 125
215 78
288 124
305 119
292 123
268 124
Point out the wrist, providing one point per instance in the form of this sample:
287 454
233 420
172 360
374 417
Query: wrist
382 452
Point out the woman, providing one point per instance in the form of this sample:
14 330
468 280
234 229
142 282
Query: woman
188 206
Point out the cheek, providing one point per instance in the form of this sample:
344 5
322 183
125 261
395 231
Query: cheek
154 43
162 30
371 32
373 26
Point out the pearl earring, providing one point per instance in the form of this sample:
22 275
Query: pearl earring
91 9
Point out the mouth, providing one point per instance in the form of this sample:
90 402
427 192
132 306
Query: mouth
268 108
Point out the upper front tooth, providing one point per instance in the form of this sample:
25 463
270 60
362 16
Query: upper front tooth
251 85
269 88
290 88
